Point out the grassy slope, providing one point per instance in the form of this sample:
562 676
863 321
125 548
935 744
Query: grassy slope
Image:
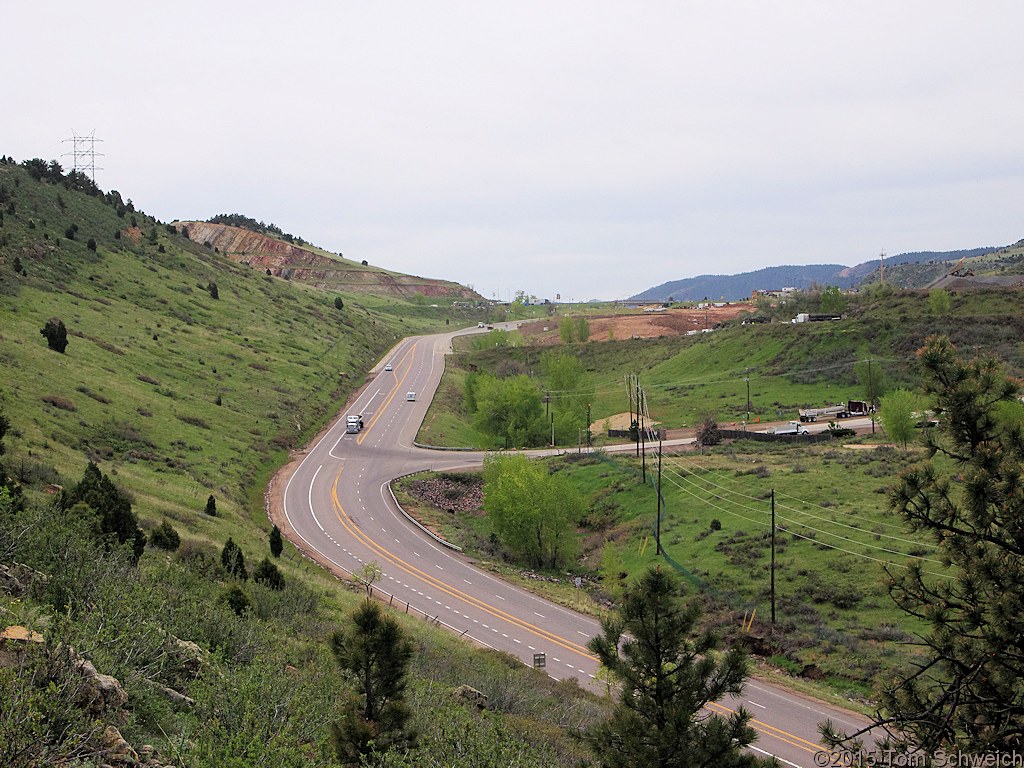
833 605
1005 261
836 538
150 353
789 365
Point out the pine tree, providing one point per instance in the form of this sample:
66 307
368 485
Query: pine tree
165 537
237 600
967 692
276 542
268 573
56 334
233 560
377 653
667 675
211 506
117 521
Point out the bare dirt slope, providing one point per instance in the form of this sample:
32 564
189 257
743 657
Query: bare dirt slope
307 265
641 325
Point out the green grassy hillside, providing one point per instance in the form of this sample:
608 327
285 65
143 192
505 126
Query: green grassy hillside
182 393
188 376
790 365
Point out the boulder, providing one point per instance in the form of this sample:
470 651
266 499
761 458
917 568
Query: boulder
15 642
99 693
9 583
176 698
812 672
466 694
190 658
117 751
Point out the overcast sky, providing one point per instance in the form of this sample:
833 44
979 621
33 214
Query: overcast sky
587 149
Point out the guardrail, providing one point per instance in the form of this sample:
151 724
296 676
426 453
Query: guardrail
416 522
767 437
441 447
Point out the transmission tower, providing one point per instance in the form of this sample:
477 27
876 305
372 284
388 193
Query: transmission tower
83 154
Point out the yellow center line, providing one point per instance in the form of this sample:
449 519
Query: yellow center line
346 521
770 730
394 390
497 613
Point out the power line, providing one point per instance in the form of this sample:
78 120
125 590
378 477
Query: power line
818 517
824 532
683 487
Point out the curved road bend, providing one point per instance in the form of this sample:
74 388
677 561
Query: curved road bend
338 503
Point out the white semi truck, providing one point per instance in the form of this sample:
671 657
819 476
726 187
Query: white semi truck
841 411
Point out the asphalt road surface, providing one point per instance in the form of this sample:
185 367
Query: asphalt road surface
338 503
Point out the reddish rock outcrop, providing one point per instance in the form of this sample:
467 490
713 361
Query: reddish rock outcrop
314 267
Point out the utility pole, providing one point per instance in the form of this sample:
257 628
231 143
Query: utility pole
552 430
747 379
629 394
871 396
638 415
773 558
643 440
588 426
657 529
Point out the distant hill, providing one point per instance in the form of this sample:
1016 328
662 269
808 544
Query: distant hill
740 286
964 270
266 248
735 287
865 268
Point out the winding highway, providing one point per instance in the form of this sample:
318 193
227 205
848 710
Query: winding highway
337 507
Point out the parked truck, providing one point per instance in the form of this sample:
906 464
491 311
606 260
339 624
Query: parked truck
793 428
851 408
829 412
859 408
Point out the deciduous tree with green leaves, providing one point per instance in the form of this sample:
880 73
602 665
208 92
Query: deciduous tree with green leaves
939 302
533 512
509 408
832 299
898 415
582 329
571 390
567 329
667 673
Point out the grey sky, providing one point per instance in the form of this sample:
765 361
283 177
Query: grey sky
590 149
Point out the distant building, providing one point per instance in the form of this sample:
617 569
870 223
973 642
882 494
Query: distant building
772 293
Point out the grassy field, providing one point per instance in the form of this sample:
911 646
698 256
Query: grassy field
835 540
